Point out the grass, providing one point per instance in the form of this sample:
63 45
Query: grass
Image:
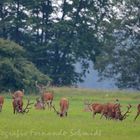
79 125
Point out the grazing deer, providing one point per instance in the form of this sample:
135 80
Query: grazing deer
17 104
110 110
64 105
46 96
138 112
1 102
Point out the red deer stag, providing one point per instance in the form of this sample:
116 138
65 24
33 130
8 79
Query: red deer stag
109 110
96 108
1 102
46 96
138 112
64 105
18 105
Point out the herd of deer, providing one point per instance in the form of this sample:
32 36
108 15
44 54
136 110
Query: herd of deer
108 110
46 98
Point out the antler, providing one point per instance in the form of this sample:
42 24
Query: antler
27 108
55 109
128 111
87 102
40 87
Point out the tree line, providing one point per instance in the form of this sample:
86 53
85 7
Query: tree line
52 36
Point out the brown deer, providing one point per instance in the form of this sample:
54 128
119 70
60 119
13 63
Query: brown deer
1 102
138 112
64 105
18 106
39 104
96 108
46 96
109 110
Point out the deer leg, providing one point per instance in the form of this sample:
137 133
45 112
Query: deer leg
136 116
66 114
94 113
102 115
50 105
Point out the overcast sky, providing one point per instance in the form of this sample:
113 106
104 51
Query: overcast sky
91 80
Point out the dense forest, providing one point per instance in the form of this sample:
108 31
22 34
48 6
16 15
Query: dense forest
43 40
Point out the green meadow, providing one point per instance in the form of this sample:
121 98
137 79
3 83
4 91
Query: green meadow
79 125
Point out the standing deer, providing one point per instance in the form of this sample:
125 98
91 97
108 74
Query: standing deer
64 105
138 112
96 108
46 96
1 102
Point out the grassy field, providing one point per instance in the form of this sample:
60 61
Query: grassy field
79 125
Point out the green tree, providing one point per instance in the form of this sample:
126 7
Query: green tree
16 72
121 52
57 35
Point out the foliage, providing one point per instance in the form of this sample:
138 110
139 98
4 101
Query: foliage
16 72
120 56
57 35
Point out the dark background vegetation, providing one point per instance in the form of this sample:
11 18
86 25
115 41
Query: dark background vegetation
43 40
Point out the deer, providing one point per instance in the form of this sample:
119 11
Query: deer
18 105
64 105
46 96
39 104
109 110
138 112
1 102
96 108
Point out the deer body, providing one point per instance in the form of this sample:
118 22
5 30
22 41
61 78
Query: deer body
96 108
64 105
17 105
48 98
1 102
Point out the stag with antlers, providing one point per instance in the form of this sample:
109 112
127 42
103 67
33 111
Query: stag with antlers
18 102
18 106
109 110
64 105
46 96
